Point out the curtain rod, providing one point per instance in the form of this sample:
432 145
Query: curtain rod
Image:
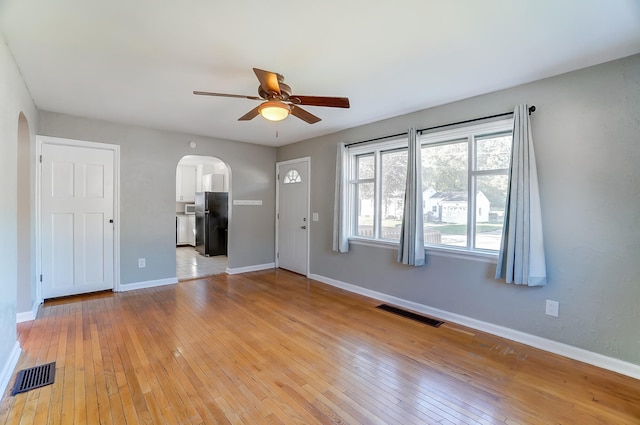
376 139
532 109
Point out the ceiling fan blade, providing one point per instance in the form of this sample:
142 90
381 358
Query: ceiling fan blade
250 115
304 115
268 80
239 96
331 102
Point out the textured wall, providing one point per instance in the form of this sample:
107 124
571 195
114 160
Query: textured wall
587 140
14 99
148 160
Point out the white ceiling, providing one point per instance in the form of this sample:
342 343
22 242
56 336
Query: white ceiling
138 61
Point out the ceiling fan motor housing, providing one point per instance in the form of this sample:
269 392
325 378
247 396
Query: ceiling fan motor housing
285 92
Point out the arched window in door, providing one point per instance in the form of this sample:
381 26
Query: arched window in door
292 176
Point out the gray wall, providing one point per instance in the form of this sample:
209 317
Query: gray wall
14 99
148 160
587 140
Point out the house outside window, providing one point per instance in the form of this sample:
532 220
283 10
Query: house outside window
464 177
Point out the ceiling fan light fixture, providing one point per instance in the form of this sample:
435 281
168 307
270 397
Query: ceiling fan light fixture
274 110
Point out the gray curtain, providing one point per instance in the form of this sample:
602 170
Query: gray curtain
521 260
411 248
340 217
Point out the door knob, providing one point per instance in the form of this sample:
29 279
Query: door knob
303 227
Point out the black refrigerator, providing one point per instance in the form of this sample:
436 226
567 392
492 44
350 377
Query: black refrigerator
211 223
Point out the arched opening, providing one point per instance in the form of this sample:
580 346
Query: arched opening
202 215
25 292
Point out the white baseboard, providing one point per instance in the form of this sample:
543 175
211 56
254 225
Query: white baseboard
255 268
147 284
9 367
575 353
27 316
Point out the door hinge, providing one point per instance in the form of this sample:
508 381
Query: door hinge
40 278
278 216
277 255
40 159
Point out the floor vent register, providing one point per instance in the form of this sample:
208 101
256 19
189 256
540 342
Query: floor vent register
34 377
410 315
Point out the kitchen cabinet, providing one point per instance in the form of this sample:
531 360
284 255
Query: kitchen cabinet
186 230
213 183
182 230
192 230
186 183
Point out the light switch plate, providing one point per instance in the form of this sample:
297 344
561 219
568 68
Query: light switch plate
314 217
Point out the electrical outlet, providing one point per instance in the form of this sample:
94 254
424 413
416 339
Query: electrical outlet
552 308
142 263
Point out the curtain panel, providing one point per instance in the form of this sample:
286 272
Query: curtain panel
340 217
521 259
411 247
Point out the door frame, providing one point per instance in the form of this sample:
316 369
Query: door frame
306 159
42 140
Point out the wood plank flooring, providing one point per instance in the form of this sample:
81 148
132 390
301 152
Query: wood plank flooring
274 347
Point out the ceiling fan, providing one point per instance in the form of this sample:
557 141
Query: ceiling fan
279 102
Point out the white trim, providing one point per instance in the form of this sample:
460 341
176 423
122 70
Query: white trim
462 132
27 316
306 159
40 140
9 367
438 251
147 284
575 353
401 141
253 268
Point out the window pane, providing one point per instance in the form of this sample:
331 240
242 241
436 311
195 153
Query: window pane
364 218
394 175
493 152
490 202
292 176
444 180
366 166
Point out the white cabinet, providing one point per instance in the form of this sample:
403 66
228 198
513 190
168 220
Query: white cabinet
213 183
186 230
186 183
192 230
182 230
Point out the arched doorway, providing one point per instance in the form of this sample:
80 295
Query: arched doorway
202 229
25 287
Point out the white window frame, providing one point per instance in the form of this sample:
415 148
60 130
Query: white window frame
468 132
375 149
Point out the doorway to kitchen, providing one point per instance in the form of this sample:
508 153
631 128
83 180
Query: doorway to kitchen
202 216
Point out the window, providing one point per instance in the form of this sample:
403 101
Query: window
292 176
464 178
377 181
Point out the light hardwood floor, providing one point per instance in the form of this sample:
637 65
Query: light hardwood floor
275 347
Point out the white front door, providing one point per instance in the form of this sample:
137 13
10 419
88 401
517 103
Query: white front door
77 212
293 216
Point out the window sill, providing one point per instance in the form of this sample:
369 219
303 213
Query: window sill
482 256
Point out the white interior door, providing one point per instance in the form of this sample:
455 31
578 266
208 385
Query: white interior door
293 216
77 212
